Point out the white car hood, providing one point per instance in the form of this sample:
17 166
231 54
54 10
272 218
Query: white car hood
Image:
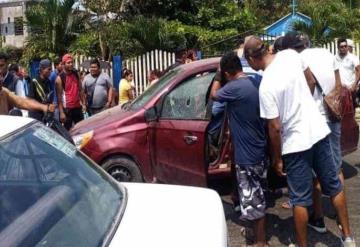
171 216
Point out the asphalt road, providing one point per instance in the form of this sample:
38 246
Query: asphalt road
280 230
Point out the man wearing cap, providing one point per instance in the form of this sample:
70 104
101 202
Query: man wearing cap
298 134
40 87
325 68
70 99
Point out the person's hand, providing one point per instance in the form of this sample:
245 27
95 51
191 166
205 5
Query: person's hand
108 105
84 109
51 108
279 168
62 117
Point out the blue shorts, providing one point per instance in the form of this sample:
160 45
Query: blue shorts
299 167
335 143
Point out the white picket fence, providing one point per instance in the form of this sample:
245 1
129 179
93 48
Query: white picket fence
78 60
142 65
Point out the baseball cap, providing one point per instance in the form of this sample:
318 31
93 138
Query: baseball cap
45 63
66 58
293 40
350 42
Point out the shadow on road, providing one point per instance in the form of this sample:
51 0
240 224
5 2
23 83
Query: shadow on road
349 170
280 226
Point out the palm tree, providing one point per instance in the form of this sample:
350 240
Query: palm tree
318 31
50 24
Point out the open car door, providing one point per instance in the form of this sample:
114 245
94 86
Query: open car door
180 134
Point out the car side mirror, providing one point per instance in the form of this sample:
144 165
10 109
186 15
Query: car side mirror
151 114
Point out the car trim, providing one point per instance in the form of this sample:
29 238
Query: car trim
114 226
17 130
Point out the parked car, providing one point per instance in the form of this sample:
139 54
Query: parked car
51 194
163 135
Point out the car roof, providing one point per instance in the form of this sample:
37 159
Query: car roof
10 124
201 63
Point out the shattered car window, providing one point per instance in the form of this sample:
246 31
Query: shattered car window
188 100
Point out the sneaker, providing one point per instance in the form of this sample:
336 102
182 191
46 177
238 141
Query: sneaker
348 242
318 225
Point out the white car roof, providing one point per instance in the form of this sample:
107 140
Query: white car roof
9 124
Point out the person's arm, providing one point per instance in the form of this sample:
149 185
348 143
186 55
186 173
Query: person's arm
110 91
110 96
311 81
28 104
216 86
59 92
274 129
355 85
269 110
131 93
337 80
82 96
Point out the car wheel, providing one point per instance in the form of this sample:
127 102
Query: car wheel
122 169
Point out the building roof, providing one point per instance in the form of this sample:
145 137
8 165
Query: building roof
12 3
285 24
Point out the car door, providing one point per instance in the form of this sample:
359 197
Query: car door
180 134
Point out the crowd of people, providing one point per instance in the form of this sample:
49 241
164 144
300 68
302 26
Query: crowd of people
282 114
285 115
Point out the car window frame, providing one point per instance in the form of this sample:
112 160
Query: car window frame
160 104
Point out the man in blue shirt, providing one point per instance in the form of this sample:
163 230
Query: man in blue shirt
247 129
58 69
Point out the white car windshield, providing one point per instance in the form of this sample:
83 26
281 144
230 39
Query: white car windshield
52 195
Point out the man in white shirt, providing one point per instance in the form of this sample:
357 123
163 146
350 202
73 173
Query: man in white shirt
298 133
325 68
349 66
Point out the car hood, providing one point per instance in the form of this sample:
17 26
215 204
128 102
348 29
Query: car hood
166 215
100 120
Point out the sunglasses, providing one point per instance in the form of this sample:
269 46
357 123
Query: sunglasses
343 46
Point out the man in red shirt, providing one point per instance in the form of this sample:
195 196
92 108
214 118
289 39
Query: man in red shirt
70 98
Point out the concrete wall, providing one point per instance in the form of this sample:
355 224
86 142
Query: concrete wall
7 15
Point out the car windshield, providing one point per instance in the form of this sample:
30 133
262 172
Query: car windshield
52 195
140 101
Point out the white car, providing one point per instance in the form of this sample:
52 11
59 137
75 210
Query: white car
51 194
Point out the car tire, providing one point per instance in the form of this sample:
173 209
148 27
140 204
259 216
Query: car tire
122 169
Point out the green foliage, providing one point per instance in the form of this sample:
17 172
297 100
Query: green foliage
51 28
86 44
332 20
14 53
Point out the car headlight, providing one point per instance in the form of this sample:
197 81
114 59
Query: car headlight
83 139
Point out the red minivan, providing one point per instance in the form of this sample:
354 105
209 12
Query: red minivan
162 136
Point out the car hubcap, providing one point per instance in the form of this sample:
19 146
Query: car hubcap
121 174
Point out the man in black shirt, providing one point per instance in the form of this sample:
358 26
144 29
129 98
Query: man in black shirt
40 87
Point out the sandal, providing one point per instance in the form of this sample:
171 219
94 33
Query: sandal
286 205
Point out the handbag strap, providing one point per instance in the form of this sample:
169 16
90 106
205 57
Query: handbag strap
318 86
93 91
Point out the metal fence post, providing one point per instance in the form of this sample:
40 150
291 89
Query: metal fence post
34 68
117 68
199 55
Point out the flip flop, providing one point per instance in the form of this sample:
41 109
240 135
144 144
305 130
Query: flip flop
286 205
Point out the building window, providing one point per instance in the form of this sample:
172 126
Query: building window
8 19
6 30
19 25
